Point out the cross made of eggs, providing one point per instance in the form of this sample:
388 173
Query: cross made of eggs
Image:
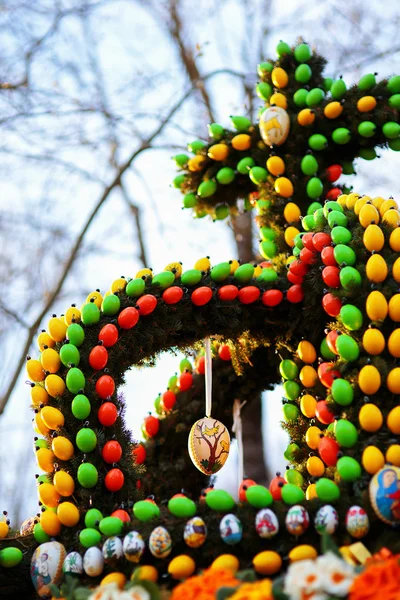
310 131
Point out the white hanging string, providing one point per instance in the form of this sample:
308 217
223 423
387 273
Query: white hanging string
208 373
237 429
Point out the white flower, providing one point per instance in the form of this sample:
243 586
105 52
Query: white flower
336 574
136 592
303 581
112 592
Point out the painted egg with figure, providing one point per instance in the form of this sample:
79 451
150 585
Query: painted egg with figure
93 562
195 532
160 543
73 563
112 549
133 546
231 529
357 522
274 126
46 567
297 520
209 444
267 524
384 494
326 520
28 525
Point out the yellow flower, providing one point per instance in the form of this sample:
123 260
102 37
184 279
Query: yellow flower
261 590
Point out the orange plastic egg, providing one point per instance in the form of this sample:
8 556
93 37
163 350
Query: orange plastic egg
279 77
313 437
45 460
394 308
393 381
72 315
308 405
241 141
315 466
64 483
218 152
290 234
366 103
306 352
39 395
394 343
373 342
279 100
306 117
35 370
57 329
276 165
370 418
308 376
394 240
62 448
376 306
50 523
369 380
45 340
292 212
372 459
284 187
333 110
50 360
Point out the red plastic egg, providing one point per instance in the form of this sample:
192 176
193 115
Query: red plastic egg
334 193
246 483
169 400
331 341
139 452
328 257
320 240
107 414
323 412
276 485
111 452
331 277
307 240
122 515
151 425
146 304
224 352
105 386
201 365
328 449
98 357
202 296
334 172
128 317
331 305
228 292
327 374
172 295
114 480
295 279
185 381
249 294
307 256
108 335
298 268
295 294
272 297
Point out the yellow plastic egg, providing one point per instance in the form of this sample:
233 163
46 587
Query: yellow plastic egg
393 381
276 166
52 417
394 240
370 418
50 360
308 376
393 420
374 342
203 264
376 268
257 271
302 552
313 437
267 562
290 234
366 103
377 202
226 561
64 483
311 491
393 455
394 343
4 529
372 459
306 352
45 340
342 199
391 217
39 395
279 77
45 460
57 329
174 267
55 385
290 259
95 297
315 466
196 163
369 215
241 141
62 447
376 306
284 187
144 274
394 308
369 379
278 99
387 205
218 152
234 264
50 523
333 110
146 573
48 495
181 567
72 315
360 203
292 212
396 270
308 405
118 285
351 200
373 238
35 370
39 425
118 578
68 514
306 117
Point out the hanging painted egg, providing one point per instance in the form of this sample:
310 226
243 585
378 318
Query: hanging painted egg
93 562
73 563
112 549
160 543
326 520
274 126
133 546
231 529
209 444
195 532
297 520
28 525
267 524
384 494
46 567
357 522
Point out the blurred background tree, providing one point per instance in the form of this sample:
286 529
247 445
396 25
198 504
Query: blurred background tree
95 96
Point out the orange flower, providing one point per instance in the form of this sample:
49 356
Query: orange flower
260 590
378 580
204 586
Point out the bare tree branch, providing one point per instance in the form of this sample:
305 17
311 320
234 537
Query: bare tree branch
135 211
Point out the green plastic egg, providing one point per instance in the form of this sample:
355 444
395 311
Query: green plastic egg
288 369
367 153
317 142
330 206
184 365
221 212
178 181
298 240
394 84
391 130
367 129
367 82
325 351
182 507
338 89
258 175
314 188
300 98
216 131
344 255
349 468
191 277
303 73
80 407
351 317
89 537
10 557
164 280
328 83
264 90
263 206
207 188
40 535
394 145
336 218
196 146
259 496
346 346
294 477
292 494
315 97
45 478
135 287
327 490
75 334
180 160
189 200
241 124
312 209
394 101
348 168
87 475
110 526
70 355
86 440
220 271
349 278
40 443
90 314
296 251
75 380
283 48
319 217
111 305
263 68
291 390
346 434
342 391
341 235
245 165
158 406
291 451
268 249
302 53
309 164
290 412
269 275
267 233
225 175
308 223
93 518
341 136
244 273
145 510
219 500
